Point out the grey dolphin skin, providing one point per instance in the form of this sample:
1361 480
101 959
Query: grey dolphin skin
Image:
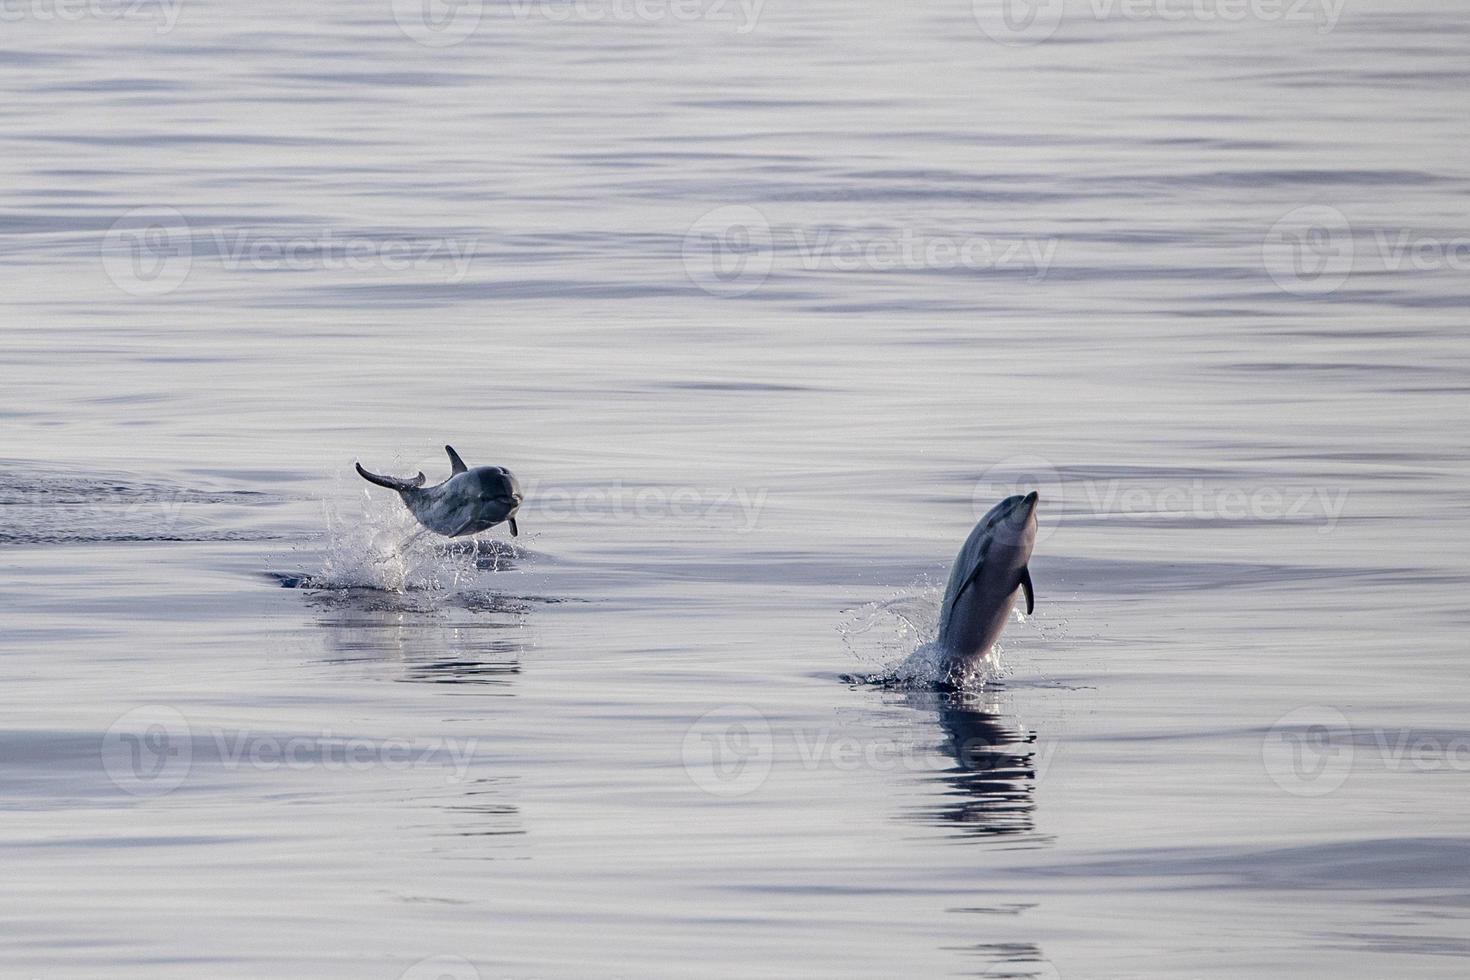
988 573
470 501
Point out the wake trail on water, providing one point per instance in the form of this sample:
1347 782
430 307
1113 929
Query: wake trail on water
51 504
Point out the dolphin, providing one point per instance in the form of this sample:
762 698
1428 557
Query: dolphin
470 501
987 574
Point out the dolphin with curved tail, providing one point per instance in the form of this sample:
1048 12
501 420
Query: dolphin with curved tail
469 502
988 574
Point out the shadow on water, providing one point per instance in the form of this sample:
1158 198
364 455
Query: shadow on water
988 791
475 640
486 809
988 795
440 627
442 622
1015 961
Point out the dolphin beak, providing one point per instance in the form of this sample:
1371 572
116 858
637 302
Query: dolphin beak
1031 500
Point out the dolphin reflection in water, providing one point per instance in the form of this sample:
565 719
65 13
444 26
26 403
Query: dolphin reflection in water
989 791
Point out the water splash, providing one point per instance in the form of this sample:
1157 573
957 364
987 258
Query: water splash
877 632
928 668
900 636
378 551
382 548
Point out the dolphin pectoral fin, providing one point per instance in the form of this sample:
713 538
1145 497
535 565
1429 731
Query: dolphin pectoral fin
391 482
515 532
1027 587
455 463
966 584
464 528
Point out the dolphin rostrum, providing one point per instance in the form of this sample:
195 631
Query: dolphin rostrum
988 573
470 501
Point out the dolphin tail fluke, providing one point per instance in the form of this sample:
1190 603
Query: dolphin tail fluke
455 463
391 482
1028 588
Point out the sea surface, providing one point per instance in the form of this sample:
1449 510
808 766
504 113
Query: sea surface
765 304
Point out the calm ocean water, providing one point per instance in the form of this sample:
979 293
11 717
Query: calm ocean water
765 304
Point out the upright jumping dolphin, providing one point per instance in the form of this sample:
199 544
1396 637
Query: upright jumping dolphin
988 572
470 501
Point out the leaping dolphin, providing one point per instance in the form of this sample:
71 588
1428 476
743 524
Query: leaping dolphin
988 573
470 501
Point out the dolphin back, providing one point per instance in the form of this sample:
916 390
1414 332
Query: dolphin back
966 564
971 559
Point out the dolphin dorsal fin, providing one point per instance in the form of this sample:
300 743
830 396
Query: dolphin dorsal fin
455 463
1028 588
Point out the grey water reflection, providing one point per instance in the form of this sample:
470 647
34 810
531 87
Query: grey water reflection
988 791
469 639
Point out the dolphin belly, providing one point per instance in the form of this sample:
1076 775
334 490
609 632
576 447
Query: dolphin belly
470 501
988 575
977 619
445 515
